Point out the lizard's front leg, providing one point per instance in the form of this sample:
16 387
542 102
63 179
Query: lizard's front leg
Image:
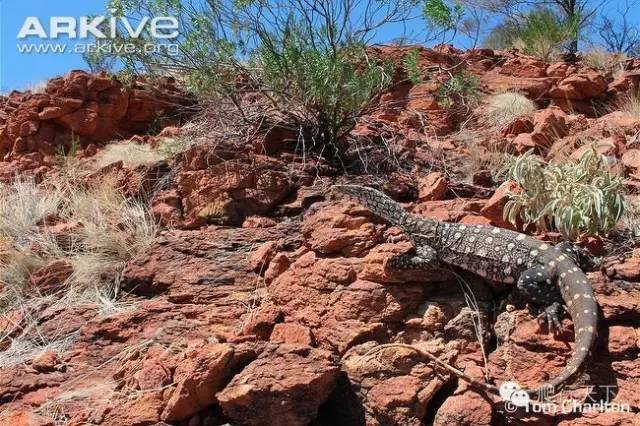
537 285
422 257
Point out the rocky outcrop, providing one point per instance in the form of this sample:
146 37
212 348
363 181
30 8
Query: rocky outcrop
265 301
87 108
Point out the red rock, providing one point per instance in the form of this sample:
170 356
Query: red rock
395 392
628 270
91 107
465 409
397 387
619 120
152 375
526 67
166 208
535 88
99 83
29 128
603 147
51 113
260 258
277 266
631 161
623 341
619 301
523 143
518 126
494 206
560 69
294 334
375 267
276 140
603 419
594 245
341 230
45 362
49 278
581 86
169 132
202 373
83 122
448 210
475 220
284 386
422 97
25 418
144 410
262 321
258 222
432 187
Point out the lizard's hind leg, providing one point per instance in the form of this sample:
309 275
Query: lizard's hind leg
538 285
422 257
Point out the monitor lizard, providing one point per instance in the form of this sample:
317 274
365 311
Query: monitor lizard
545 275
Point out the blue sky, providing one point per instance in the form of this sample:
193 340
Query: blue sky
20 70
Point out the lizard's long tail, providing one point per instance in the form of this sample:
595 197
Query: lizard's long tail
578 296
381 205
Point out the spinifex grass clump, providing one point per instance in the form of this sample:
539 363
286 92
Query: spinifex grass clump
572 198
504 108
103 231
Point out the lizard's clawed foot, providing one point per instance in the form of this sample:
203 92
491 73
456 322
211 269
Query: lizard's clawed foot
552 315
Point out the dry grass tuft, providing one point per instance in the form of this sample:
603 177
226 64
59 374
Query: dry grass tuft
485 152
503 108
630 104
601 60
37 87
130 153
107 231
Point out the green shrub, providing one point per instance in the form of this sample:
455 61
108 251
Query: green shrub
541 33
443 18
308 63
573 198
411 64
332 87
460 89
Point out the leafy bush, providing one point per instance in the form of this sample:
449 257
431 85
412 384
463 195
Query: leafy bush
503 108
331 86
460 89
573 198
443 18
541 33
308 63
411 64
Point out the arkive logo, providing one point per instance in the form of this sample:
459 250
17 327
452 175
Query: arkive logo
100 27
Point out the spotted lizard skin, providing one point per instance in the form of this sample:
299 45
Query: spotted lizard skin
544 274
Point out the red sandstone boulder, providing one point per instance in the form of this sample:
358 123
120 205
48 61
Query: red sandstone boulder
284 386
526 67
432 187
293 334
580 87
494 207
50 278
198 377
